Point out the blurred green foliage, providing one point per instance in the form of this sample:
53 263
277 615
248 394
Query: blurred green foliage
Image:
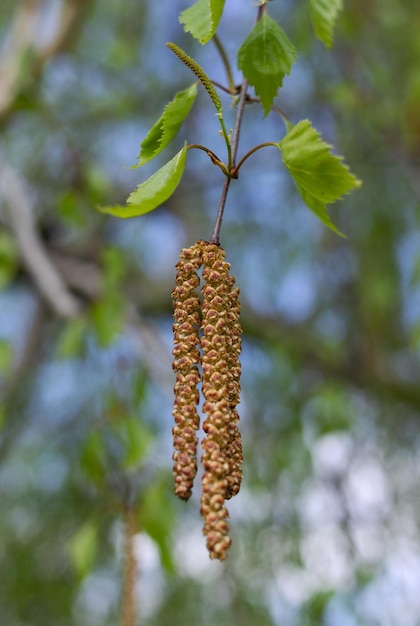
325 529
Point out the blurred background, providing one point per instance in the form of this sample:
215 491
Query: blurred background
326 526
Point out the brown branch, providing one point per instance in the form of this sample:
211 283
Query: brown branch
39 265
215 238
23 46
128 604
82 275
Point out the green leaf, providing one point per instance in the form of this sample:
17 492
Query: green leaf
82 548
154 191
321 177
319 209
324 15
202 19
265 57
137 439
156 518
108 317
70 208
2 416
71 341
92 459
9 259
6 356
168 125
140 386
114 264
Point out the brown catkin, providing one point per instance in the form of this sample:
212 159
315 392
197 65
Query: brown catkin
186 354
222 453
218 366
234 446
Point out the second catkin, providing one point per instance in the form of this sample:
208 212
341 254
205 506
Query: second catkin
185 365
207 337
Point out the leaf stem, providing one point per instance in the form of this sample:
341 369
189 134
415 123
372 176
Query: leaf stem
213 157
262 10
223 55
281 113
248 154
227 142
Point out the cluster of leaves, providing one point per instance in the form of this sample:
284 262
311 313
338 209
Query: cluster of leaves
265 57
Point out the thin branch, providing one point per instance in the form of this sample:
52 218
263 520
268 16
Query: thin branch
231 92
223 55
39 265
82 275
128 605
233 150
241 105
215 238
238 123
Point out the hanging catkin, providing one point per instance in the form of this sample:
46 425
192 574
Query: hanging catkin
234 447
220 343
185 364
